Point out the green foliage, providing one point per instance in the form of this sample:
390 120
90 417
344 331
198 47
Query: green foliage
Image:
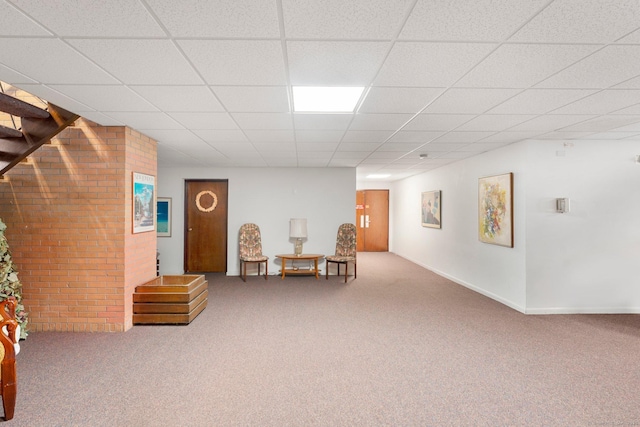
9 283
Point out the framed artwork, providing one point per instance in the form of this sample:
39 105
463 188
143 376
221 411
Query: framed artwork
144 202
495 210
431 203
163 217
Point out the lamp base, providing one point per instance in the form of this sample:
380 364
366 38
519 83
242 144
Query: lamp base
297 248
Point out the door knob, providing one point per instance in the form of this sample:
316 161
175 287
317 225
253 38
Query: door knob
190 229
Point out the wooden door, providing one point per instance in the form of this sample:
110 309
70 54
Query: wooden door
372 220
205 226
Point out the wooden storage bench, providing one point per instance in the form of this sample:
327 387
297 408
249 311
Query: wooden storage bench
170 300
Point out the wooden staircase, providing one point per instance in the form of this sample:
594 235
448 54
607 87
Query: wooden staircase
38 126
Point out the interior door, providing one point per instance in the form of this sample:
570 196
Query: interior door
372 220
205 226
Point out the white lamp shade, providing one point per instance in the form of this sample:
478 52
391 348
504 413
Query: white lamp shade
298 228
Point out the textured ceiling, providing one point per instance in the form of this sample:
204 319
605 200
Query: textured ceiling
211 80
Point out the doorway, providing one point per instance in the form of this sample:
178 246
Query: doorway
372 220
205 226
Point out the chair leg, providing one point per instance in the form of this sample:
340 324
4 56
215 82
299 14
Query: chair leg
326 273
266 270
9 388
243 273
346 271
355 270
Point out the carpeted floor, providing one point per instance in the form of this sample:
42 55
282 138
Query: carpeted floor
398 346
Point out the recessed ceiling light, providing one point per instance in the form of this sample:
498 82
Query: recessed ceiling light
311 99
379 175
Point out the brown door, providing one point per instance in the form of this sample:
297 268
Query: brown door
372 220
205 226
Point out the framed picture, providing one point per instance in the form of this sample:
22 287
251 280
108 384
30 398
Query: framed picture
163 217
495 209
431 202
144 202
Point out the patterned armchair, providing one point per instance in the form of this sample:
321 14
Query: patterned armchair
9 336
250 244
345 251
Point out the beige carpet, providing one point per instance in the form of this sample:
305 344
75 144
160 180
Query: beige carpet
398 346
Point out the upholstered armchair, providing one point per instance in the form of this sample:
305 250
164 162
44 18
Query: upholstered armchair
345 251
250 244
9 336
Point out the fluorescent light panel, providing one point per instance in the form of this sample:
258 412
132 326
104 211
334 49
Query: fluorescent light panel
310 99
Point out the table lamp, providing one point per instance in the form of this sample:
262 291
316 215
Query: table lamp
298 231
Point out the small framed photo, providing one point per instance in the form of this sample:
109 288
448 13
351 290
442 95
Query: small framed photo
495 210
431 204
144 202
163 220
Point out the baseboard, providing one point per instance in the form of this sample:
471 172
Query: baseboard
583 310
470 286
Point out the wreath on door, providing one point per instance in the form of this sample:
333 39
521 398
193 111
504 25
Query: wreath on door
213 204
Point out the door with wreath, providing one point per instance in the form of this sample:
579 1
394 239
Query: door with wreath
205 226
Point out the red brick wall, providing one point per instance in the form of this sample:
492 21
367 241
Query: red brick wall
68 217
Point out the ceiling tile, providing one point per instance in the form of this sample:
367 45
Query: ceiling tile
139 61
15 23
106 98
237 62
142 121
258 99
539 101
366 135
613 135
334 63
634 109
379 121
469 100
602 102
10 76
319 136
322 121
51 95
398 99
101 119
311 147
633 83
358 146
430 64
115 18
438 122
402 147
610 66
215 136
339 19
264 120
602 123
415 136
633 37
51 61
260 136
509 137
440 147
461 137
550 122
280 147
180 98
523 65
174 137
494 122
482 20
205 120
581 21
218 18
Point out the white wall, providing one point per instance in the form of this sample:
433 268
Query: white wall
454 250
584 261
268 197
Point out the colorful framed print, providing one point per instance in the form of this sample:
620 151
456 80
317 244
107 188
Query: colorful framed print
144 202
431 214
163 217
495 210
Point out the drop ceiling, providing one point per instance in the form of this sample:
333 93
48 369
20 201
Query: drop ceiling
211 80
